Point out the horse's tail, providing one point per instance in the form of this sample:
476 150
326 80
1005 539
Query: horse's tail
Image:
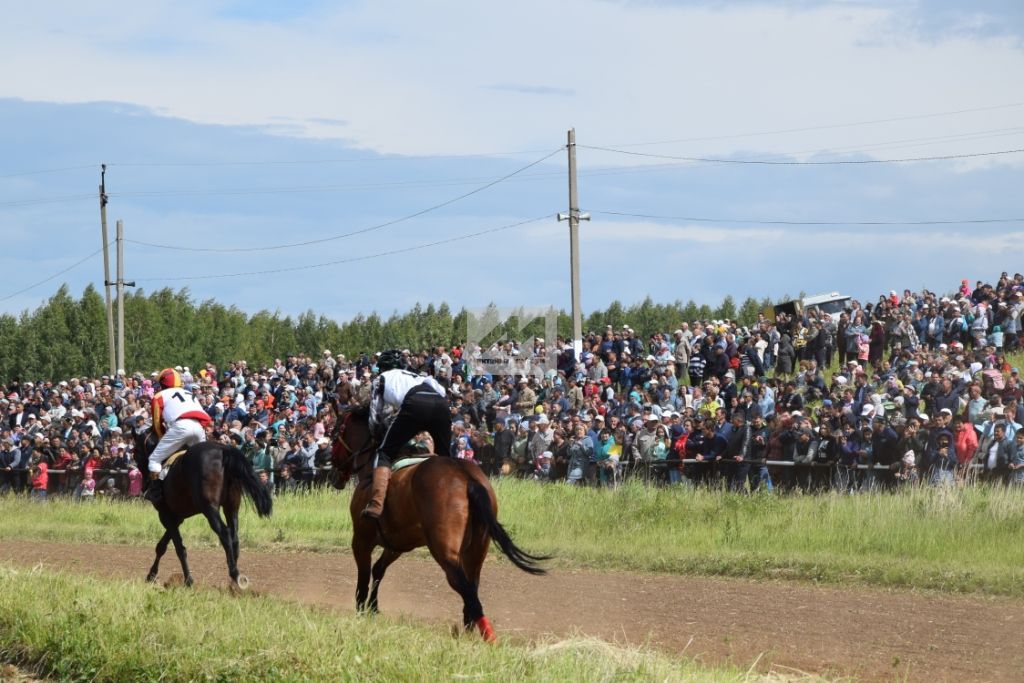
481 512
240 470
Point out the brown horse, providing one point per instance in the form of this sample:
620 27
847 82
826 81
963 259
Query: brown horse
208 477
442 503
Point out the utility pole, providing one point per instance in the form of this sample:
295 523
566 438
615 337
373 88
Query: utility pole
106 269
574 217
120 297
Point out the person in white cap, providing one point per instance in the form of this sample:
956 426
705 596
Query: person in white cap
541 439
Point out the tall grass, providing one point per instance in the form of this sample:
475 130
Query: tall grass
962 539
81 629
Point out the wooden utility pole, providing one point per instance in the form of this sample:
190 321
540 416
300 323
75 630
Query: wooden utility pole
574 217
120 297
121 284
106 270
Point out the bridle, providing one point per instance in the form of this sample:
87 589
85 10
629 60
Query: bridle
343 456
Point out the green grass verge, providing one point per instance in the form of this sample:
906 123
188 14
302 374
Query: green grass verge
960 540
78 628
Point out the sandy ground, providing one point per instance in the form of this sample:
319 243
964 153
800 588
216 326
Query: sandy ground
864 633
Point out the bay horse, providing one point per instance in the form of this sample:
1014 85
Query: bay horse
208 477
442 503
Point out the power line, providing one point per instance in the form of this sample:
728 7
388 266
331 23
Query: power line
48 170
354 232
825 127
599 171
703 219
1000 132
55 275
290 189
48 200
346 260
837 162
345 160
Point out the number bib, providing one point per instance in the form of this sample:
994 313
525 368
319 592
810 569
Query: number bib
177 402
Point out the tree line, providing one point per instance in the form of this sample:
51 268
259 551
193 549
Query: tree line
67 337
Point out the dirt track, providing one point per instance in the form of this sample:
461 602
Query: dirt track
869 634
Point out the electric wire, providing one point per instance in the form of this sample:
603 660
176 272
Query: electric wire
47 170
361 231
324 264
55 275
835 162
750 221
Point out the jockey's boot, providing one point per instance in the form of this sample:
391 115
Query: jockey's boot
155 491
381 476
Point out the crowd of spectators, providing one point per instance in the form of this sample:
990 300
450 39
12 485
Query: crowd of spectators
913 387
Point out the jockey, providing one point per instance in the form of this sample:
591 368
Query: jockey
404 404
179 420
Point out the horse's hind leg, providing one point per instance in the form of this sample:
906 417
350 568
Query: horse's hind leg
472 610
179 547
472 561
377 573
212 515
231 516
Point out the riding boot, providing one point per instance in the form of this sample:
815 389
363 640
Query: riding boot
381 476
155 491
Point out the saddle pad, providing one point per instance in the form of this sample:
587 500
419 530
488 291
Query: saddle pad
173 458
409 462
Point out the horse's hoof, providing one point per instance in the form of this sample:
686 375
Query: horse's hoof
188 581
240 585
150 578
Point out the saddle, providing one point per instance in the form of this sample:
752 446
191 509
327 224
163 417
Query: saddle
169 462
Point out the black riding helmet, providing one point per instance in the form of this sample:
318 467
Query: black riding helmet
391 359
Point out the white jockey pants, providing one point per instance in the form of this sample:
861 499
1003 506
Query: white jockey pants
181 434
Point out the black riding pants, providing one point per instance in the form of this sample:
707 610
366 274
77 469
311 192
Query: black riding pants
422 410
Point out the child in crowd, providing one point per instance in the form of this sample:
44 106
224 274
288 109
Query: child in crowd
908 468
40 480
134 482
543 466
996 338
88 486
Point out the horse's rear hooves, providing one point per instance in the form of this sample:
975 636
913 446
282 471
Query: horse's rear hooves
486 630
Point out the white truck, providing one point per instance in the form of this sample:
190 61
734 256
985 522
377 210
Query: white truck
832 303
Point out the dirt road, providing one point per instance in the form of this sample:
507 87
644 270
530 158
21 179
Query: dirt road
869 634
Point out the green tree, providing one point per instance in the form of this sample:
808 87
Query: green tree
727 310
749 311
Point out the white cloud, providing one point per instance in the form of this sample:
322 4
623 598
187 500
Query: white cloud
411 77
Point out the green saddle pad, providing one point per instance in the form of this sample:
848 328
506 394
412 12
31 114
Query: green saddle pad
409 462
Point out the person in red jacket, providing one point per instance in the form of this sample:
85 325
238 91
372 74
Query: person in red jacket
179 420
40 480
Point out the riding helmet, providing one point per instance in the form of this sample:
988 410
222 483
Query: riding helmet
390 360
170 379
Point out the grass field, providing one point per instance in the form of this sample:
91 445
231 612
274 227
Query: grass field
78 628
960 540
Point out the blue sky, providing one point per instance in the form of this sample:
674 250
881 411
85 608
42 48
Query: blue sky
231 125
